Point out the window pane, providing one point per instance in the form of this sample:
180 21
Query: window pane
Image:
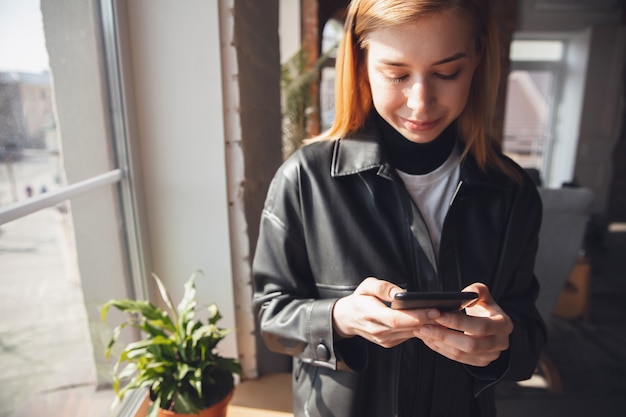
528 116
51 338
525 50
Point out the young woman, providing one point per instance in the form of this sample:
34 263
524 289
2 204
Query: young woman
404 192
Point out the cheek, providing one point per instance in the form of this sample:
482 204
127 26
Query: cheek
385 96
456 96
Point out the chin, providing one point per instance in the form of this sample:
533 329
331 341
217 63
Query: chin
421 137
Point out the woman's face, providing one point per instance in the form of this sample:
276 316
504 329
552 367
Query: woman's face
420 73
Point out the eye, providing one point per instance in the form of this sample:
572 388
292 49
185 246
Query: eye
452 76
396 80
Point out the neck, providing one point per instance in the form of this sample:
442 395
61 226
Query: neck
416 158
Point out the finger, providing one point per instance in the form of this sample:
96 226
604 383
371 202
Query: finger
484 295
368 317
460 322
389 339
497 324
483 317
409 319
383 290
471 350
386 332
450 352
460 342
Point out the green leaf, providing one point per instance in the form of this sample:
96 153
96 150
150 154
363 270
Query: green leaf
132 385
145 343
169 387
210 333
214 313
186 403
183 369
116 333
188 303
165 296
104 311
145 309
154 408
157 368
232 365
128 371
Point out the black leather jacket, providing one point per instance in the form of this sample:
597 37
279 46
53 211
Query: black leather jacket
336 213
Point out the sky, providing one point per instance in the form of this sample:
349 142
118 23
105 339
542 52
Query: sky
22 42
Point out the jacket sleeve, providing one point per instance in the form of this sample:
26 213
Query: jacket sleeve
293 320
516 295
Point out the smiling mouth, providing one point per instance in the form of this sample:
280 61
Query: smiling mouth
420 126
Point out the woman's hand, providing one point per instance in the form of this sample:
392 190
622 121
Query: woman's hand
364 313
476 338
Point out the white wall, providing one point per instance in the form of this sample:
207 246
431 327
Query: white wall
290 32
177 86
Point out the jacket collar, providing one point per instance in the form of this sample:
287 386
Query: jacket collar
362 151
358 152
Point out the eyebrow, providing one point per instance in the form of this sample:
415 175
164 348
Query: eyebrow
455 57
452 58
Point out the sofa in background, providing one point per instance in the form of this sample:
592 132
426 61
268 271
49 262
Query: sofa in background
566 212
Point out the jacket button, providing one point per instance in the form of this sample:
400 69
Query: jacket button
322 352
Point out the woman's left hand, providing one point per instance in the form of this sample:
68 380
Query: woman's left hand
476 338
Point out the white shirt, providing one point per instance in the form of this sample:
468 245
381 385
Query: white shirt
433 193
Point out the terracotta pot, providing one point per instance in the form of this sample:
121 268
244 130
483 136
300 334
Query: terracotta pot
217 410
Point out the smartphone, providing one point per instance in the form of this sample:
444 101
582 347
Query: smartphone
444 301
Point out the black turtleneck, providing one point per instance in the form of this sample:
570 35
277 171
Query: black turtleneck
416 158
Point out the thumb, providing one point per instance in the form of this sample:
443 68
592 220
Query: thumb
383 290
484 295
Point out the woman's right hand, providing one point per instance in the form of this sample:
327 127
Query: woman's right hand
364 313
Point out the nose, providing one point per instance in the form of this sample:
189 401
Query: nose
419 97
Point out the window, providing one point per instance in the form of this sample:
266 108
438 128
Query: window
67 236
533 94
331 36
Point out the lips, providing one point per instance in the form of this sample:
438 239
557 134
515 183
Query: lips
416 126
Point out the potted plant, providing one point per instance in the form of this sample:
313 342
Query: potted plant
176 359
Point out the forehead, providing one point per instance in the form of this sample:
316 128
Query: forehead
429 38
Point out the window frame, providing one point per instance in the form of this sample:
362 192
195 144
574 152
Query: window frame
119 136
